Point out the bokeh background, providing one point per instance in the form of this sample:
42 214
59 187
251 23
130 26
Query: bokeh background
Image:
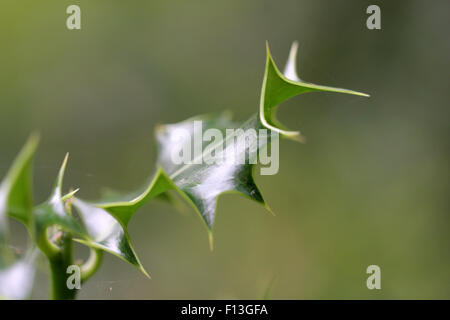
370 186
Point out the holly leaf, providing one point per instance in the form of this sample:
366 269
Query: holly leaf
95 227
278 87
200 183
16 280
53 212
16 197
17 274
106 233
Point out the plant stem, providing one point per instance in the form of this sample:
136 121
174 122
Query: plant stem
58 269
92 264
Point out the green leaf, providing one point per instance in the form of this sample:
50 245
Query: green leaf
16 275
106 233
201 184
96 228
53 212
16 280
278 87
16 198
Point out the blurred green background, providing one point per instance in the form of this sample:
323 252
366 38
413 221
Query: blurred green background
370 186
